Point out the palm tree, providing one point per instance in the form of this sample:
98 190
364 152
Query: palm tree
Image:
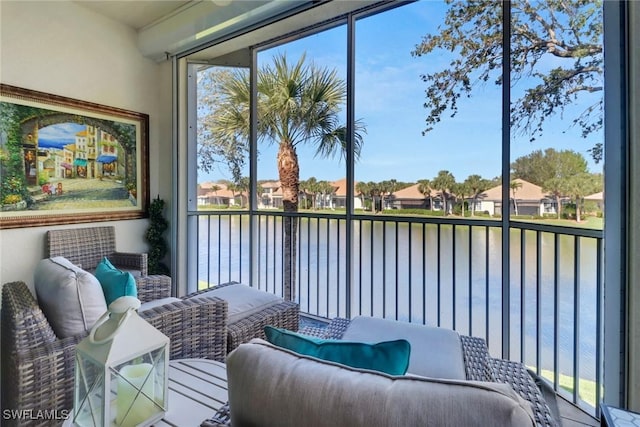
215 188
363 189
326 189
384 187
461 191
233 187
312 188
424 188
259 191
374 193
391 187
305 189
297 104
443 183
515 185
476 185
243 186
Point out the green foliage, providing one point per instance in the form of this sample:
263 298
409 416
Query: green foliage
43 178
540 166
413 211
589 206
157 245
212 207
567 34
444 183
306 204
11 199
297 103
11 161
560 173
569 211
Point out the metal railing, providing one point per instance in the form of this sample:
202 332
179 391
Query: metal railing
432 270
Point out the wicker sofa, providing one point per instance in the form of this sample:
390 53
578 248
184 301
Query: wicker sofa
281 373
478 365
37 366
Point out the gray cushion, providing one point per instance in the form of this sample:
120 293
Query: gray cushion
242 300
71 298
270 386
435 352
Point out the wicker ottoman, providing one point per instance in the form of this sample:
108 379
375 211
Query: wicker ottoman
250 310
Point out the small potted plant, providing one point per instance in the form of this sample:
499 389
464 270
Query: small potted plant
157 245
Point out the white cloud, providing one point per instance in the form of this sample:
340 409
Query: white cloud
60 131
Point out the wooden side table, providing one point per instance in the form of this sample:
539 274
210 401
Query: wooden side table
615 417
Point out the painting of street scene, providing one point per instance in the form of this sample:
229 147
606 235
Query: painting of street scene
54 161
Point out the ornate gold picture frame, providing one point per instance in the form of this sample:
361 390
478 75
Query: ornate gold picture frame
66 161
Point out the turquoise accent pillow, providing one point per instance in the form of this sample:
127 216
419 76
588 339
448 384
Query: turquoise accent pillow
115 283
390 357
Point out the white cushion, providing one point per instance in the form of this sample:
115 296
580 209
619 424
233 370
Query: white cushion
71 298
242 300
271 386
157 303
435 352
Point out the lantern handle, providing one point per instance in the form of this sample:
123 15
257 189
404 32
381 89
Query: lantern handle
103 319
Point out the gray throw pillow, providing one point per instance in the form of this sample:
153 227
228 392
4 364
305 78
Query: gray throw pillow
71 298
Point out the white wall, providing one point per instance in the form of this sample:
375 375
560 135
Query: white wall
62 48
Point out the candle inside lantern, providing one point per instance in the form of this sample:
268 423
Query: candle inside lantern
133 407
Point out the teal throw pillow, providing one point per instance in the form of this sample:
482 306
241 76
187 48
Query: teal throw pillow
115 283
390 357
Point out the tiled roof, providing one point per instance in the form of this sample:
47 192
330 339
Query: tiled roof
209 185
270 184
341 187
595 196
527 191
410 193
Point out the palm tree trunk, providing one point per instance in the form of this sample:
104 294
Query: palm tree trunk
289 173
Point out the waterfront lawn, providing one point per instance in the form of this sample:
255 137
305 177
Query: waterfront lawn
587 387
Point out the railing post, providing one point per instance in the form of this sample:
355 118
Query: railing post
506 175
350 159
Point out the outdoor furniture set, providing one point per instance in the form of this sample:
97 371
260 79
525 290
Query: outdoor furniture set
268 385
39 335
451 381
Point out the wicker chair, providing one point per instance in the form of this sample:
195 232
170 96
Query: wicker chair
37 366
86 247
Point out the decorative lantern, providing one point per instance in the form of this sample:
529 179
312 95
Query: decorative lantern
121 370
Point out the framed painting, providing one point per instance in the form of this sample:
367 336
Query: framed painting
66 161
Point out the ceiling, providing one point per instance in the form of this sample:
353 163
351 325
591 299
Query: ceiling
138 13
167 27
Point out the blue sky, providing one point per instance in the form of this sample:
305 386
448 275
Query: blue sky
390 97
59 135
